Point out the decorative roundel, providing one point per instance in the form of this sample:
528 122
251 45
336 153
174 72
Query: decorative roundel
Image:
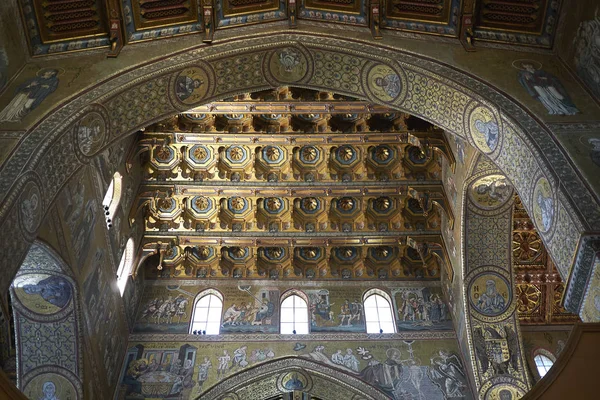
504 391
491 192
91 133
163 154
416 156
382 154
345 155
384 83
346 253
200 154
310 205
273 205
191 86
237 205
309 117
171 254
201 204
346 205
233 117
236 154
484 129
309 154
238 253
381 253
310 253
166 205
30 208
274 253
543 205
490 294
289 64
203 252
272 154
382 204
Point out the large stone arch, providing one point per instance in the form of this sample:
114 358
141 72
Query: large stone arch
524 149
269 379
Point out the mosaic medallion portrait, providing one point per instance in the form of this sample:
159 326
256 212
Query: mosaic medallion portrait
43 293
50 387
384 83
484 129
490 294
491 191
91 133
289 64
191 85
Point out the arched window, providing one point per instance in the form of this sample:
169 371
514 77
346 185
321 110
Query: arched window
378 312
207 313
125 265
544 360
112 198
294 315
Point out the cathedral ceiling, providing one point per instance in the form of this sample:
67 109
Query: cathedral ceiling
69 25
292 183
539 287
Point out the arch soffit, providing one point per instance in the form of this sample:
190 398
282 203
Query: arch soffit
282 366
525 151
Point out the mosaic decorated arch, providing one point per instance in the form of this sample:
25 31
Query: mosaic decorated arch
47 327
291 374
522 148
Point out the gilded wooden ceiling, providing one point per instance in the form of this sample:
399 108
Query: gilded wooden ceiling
68 25
539 288
350 192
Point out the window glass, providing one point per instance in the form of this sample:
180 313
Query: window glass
378 314
112 198
207 314
294 315
125 265
543 364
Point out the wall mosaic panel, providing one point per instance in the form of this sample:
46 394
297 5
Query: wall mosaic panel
48 332
415 368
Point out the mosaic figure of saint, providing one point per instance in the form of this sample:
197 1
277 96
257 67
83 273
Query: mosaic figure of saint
587 52
185 86
491 301
546 210
29 95
390 84
489 130
547 89
54 289
49 391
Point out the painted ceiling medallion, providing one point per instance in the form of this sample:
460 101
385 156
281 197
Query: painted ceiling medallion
203 252
382 153
310 204
346 204
273 204
345 153
237 203
202 203
383 204
200 153
166 204
272 153
309 154
236 153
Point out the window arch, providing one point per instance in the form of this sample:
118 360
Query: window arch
294 313
544 360
112 198
125 265
206 317
378 312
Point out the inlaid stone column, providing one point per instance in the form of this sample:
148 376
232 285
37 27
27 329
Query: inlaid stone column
495 344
